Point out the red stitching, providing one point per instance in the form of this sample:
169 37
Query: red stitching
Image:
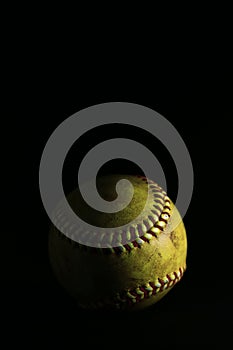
152 233
145 239
136 244
132 297
135 240
146 293
127 247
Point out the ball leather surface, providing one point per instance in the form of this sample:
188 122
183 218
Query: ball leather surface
96 277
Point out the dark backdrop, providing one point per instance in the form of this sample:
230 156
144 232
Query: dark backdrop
198 104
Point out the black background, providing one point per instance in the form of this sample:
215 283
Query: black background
196 99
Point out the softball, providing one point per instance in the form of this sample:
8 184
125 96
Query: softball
128 276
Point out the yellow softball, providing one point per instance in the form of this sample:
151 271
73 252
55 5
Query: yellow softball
131 275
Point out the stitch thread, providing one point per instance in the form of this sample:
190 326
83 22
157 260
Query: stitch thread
153 224
133 296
